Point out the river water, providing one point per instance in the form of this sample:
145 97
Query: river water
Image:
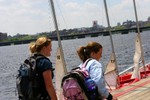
12 56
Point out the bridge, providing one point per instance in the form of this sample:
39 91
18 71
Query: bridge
88 34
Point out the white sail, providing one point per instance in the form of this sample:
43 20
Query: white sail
136 59
138 49
110 73
59 73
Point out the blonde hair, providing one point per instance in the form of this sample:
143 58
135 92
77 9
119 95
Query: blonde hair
36 46
85 51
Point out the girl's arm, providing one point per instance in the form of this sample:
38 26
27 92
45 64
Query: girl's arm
49 84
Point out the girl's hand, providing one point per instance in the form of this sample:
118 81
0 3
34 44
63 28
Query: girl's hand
114 98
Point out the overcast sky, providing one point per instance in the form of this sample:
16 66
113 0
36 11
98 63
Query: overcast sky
34 16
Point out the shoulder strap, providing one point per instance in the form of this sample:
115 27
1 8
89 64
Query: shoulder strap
85 63
83 68
31 61
38 56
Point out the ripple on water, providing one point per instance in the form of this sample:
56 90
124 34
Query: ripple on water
12 56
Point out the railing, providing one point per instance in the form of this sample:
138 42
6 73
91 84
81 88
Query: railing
123 72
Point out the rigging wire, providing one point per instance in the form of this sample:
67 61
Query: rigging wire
59 11
139 10
50 18
58 35
72 41
61 14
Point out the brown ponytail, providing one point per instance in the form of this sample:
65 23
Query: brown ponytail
84 52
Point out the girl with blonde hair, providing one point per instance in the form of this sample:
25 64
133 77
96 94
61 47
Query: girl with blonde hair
43 47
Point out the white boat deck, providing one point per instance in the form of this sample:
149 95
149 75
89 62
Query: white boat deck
137 91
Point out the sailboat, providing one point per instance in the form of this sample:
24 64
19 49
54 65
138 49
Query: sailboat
119 83
60 66
126 86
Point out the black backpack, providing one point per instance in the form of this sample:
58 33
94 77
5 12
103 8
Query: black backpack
26 80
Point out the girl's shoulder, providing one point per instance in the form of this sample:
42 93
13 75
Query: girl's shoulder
93 62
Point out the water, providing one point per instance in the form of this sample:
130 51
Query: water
12 56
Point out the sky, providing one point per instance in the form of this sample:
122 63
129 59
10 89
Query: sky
34 16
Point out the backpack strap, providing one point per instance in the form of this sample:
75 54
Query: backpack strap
32 60
38 56
83 68
85 63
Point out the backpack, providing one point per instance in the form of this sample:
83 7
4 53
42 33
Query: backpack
78 85
26 79
72 90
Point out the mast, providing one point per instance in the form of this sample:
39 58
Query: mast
140 42
58 35
111 40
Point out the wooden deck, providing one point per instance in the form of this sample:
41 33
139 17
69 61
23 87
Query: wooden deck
137 91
